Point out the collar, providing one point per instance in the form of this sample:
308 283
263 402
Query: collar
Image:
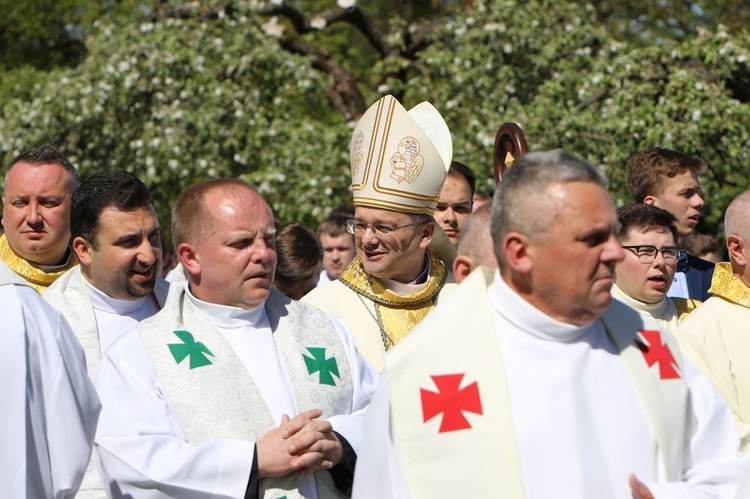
105 303
660 309
225 316
526 317
379 290
39 276
726 285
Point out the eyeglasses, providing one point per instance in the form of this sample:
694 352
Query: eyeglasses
379 228
647 254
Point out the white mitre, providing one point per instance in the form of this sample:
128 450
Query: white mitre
399 159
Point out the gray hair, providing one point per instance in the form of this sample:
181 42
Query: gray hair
518 202
736 217
475 240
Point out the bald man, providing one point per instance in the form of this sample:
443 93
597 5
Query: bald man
475 244
714 337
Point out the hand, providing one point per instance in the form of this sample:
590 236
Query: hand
639 490
316 446
274 458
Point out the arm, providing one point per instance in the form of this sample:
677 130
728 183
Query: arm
712 466
50 406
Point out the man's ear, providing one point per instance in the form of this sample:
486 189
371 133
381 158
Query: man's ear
189 258
462 267
736 247
83 250
651 200
427 230
516 251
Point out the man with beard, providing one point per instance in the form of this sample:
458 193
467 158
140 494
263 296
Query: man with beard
399 160
116 238
232 389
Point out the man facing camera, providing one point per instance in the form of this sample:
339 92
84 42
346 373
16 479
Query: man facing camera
36 216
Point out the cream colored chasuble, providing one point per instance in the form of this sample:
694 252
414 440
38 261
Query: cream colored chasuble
462 430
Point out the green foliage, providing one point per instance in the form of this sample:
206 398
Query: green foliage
177 102
559 74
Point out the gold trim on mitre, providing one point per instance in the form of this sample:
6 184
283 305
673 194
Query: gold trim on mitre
399 159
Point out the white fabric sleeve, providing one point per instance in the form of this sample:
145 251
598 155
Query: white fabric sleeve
50 406
364 381
142 448
713 465
379 474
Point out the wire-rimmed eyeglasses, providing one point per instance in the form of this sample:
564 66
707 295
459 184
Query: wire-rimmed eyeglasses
379 228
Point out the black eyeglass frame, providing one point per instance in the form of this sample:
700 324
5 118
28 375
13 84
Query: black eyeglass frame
653 251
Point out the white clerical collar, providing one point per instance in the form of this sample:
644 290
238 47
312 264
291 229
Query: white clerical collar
530 319
225 316
407 288
102 301
659 309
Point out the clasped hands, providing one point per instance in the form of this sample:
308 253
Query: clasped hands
303 445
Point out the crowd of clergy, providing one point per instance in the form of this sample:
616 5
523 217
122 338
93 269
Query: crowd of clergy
429 342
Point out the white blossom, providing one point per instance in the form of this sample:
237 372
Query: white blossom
346 4
318 22
272 28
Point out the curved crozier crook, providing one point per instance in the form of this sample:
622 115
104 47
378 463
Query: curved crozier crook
510 146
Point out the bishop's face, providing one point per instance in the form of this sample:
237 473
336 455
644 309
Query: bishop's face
398 255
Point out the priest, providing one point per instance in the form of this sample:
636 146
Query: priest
232 390
516 387
715 336
399 160
38 187
50 407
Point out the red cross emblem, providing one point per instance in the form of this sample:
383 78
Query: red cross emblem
451 402
656 352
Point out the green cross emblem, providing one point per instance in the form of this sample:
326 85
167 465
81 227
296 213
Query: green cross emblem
319 363
189 347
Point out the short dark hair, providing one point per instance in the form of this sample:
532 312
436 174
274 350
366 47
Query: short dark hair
644 217
298 258
647 171
116 189
700 244
333 226
46 155
461 170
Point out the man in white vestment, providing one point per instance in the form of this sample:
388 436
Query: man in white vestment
116 239
232 390
50 407
715 336
649 237
399 161
475 244
515 386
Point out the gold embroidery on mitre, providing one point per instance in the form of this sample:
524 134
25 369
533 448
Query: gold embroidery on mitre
357 153
726 285
406 162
